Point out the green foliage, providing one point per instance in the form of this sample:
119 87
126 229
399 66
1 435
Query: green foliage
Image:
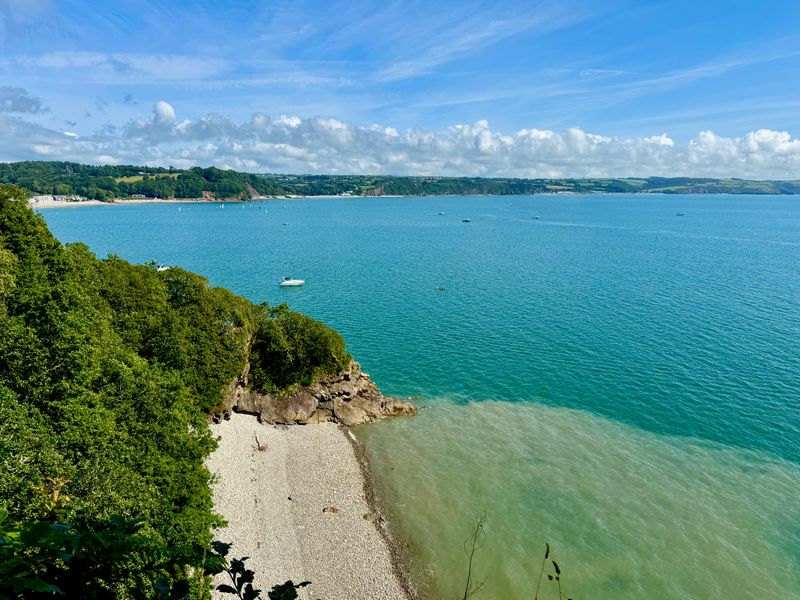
372 185
111 559
8 277
110 181
107 373
290 348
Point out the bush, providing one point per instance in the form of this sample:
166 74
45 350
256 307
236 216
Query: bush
291 348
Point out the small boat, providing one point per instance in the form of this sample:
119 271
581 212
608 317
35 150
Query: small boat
289 282
536 217
465 220
441 212
678 214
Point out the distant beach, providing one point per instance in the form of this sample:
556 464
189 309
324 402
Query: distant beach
299 509
45 202
37 202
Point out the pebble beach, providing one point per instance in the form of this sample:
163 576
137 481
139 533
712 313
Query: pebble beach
296 503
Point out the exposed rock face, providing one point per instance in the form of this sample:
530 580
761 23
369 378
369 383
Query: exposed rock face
350 397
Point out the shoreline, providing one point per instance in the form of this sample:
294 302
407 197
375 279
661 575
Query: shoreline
37 204
121 202
44 204
304 509
399 551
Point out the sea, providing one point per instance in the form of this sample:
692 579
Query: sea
615 376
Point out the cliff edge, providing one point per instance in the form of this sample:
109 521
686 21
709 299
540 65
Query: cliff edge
349 397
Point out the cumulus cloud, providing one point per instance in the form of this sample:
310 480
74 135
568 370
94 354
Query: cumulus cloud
163 111
19 100
291 144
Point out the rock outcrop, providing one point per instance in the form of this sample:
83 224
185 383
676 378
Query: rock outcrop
350 397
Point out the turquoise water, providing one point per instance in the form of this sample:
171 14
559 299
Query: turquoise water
611 378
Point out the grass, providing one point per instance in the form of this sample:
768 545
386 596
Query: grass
135 178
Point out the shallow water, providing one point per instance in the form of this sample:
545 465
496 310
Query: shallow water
611 378
628 513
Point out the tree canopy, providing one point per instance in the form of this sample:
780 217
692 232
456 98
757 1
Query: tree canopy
107 373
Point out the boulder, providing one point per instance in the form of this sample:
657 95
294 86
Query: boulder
349 397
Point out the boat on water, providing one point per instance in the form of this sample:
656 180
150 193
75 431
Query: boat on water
441 212
465 221
289 282
678 214
536 217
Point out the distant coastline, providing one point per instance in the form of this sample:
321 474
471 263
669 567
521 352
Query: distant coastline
39 203
45 204
66 182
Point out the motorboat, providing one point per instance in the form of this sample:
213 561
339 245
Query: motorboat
289 282
441 212
465 220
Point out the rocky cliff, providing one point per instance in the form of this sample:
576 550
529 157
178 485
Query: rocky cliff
350 397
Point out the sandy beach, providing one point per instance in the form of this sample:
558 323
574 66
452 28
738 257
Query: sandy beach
273 500
47 203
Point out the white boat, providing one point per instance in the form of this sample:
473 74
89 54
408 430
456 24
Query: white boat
162 268
289 282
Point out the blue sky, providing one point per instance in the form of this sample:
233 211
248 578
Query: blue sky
366 85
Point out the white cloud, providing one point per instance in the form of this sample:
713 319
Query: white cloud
328 145
284 120
164 112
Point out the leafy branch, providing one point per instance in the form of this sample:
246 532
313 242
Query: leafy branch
242 578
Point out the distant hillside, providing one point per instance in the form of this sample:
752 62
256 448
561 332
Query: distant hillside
120 181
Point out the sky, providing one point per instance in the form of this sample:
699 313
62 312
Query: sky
548 88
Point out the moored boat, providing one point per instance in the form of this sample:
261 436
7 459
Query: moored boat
289 282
